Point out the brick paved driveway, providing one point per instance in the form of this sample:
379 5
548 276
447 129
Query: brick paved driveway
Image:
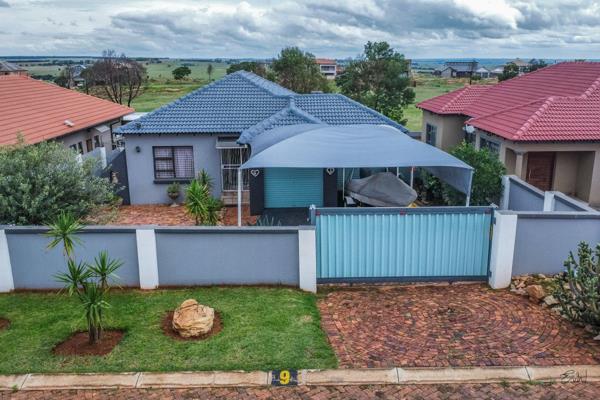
456 325
589 391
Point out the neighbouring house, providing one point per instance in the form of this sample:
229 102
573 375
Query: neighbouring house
457 69
76 72
328 67
483 73
201 131
8 68
544 125
39 111
522 64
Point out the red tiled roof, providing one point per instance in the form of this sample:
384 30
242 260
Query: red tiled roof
556 103
37 110
454 102
325 61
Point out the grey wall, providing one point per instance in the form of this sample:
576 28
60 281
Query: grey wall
564 203
140 166
524 197
246 256
543 241
34 266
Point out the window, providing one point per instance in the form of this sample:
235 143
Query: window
73 147
172 162
80 147
231 159
493 147
88 145
431 134
97 141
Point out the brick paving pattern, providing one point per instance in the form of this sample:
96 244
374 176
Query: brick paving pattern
455 325
583 391
158 214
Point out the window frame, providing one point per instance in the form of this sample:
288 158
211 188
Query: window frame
175 178
428 131
484 143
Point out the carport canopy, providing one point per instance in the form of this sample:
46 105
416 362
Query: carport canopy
354 146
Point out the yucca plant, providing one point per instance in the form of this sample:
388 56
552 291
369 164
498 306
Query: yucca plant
77 274
205 180
104 268
92 299
64 230
578 289
200 203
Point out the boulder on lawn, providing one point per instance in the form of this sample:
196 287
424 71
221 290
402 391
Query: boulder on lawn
536 292
191 319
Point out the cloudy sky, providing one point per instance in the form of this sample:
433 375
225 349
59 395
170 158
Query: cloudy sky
259 28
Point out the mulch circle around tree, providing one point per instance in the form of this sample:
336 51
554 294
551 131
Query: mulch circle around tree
167 327
4 324
78 344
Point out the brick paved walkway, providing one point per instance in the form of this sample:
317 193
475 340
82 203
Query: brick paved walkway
158 214
456 325
583 391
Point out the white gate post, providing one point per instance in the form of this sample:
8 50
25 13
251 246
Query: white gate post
147 258
7 284
503 250
307 258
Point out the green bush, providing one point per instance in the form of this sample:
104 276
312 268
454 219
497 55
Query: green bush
578 289
487 178
38 182
199 201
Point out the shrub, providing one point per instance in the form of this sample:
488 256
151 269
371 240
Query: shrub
578 290
199 201
487 178
38 182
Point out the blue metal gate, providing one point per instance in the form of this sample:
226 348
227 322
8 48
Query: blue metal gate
402 244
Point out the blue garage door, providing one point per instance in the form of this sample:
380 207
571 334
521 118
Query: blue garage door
293 187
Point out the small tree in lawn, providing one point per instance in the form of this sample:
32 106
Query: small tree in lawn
209 71
511 70
89 282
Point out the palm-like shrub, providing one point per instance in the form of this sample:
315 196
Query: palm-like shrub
578 289
88 282
199 201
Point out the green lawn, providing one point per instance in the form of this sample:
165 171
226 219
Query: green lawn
263 329
158 94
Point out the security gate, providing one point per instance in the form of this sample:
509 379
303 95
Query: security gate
402 244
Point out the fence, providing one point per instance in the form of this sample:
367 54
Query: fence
534 231
167 256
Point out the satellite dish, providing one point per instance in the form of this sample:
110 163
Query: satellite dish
469 129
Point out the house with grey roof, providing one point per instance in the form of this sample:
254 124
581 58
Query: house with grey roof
8 68
212 129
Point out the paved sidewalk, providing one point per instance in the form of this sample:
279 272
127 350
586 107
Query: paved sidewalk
456 325
583 391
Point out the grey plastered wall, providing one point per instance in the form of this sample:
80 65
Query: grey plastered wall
524 197
140 166
34 266
212 256
543 240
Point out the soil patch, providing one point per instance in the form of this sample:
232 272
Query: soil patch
167 327
78 344
4 324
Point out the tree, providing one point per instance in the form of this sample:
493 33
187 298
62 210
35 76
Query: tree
65 79
510 71
181 72
38 182
379 79
120 78
298 71
487 178
536 64
250 66
209 71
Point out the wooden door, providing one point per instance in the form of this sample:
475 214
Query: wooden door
540 169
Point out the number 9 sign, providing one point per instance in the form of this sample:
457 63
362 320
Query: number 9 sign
284 377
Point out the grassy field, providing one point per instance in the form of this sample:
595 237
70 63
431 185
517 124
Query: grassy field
158 94
164 70
263 329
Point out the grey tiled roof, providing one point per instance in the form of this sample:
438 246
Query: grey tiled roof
6 66
247 104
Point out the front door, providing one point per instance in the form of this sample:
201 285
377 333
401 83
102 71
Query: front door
540 169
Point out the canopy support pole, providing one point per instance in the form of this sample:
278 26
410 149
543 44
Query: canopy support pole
344 186
239 196
469 191
412 176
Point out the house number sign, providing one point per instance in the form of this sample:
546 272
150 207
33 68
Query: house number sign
284 377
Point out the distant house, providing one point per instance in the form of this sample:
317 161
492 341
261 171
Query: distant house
7 68
457 69
328 67
210 128
76 74
483 72
544 125
522 64
39 111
